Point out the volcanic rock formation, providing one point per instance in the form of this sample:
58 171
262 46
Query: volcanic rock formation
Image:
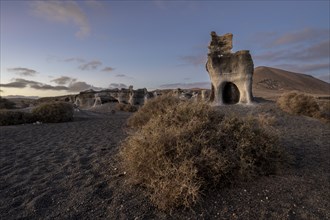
90 98
230 73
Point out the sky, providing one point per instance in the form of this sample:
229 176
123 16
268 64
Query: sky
52 48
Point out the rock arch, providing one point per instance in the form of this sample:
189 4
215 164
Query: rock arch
230 73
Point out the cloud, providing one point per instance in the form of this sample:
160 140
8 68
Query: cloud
63 12
317 51
194 60
41 86
22 71
117 85
73 86
92 65
304 68
108 69
204 85
75 59
301 36
23 83
120 75
81 86
63 80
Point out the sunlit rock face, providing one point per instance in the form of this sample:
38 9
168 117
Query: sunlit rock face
230 73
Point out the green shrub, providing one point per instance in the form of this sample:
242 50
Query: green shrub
125 107
299 104
15 117
53 112
183 149
6 104
153 107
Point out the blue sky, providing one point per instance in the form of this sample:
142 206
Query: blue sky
51 48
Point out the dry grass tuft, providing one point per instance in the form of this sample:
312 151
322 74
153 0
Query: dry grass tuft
54 112
184 148
125 107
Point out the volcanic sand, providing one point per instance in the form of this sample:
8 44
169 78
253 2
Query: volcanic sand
69 171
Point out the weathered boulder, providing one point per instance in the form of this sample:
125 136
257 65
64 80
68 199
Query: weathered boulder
137 97
230 73
205 95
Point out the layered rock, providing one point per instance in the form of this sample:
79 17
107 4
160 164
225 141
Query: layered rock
230 73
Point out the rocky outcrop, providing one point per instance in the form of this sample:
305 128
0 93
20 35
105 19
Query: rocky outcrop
230 73
90 98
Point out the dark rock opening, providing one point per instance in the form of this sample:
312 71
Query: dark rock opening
230 93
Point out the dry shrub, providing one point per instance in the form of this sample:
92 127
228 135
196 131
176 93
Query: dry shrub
324 110
189 147
153 107
54 112
266 119
299 104
6 104
125 107
15 117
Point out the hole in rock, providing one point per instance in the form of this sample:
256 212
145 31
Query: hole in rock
230 93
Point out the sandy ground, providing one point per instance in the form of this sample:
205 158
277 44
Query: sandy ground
68 171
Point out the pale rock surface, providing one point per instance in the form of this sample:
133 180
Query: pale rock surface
230 73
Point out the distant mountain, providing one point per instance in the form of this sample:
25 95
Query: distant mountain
20 97
270 82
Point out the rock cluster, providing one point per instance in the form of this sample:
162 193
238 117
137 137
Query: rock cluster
92 98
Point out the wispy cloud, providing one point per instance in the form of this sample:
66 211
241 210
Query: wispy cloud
63 80
108 69
317 51
23 83
63 12
92 65
118 85
121 75
75 59
204 85
23 71
304 35
81 86
73 86
304 68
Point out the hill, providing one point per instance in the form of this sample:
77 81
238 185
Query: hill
270 82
